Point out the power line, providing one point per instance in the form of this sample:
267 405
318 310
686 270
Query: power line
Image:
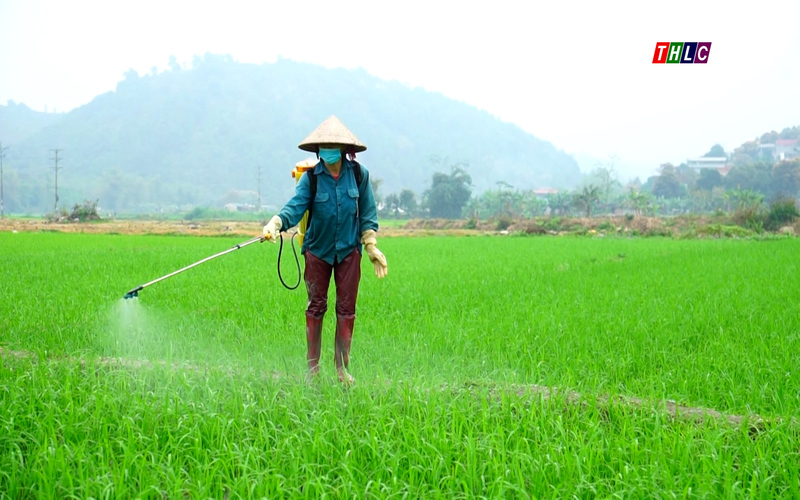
56 151
2 155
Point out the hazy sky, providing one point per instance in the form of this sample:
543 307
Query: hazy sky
577 74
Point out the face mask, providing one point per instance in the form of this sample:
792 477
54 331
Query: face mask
330 156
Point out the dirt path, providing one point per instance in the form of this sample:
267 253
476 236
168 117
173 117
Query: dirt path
200 228
242 229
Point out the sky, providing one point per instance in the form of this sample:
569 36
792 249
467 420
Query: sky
578 74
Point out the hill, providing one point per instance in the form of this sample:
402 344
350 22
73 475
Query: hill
199 135
18 122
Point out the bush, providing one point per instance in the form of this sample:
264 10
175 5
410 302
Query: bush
553 224
503 222
605 226
59 216
534 228
782 212
85 212
80 213
721 230
751 217
199 213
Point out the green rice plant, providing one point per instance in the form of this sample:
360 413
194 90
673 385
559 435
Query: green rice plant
195 389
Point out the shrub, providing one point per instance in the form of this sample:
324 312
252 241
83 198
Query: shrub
553 224
198 213
80 213
782 212
85 212
750 217
534 228
605 226
503 222
721 230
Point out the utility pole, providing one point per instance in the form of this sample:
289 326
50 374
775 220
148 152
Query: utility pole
258 209
2 155
55 206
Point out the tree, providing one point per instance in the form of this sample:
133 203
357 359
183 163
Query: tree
605 177
608 182
769 137
449 193
667 185
376 182
408 200
756 176
786 177
716 151
790 133
586 198
638 201
700 200
392 203
709 179
559 203
173 63
747 199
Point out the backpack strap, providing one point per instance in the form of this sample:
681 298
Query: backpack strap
359 174
313 181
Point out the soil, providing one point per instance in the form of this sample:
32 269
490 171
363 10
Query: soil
690 225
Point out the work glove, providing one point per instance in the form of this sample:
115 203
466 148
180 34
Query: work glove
272 229
369 241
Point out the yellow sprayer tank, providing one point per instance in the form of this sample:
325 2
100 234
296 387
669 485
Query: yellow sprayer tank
299 169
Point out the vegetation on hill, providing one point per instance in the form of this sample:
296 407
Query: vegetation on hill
195 136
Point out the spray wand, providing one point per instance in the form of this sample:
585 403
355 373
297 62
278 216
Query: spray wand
135 292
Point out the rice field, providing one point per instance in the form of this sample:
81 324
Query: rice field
514 367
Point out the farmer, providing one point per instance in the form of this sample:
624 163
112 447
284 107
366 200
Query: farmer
343 219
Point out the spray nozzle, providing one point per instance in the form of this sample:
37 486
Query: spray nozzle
133 293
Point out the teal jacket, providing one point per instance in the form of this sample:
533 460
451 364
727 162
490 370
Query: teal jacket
342 211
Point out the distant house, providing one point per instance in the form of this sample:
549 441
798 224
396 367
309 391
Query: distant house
718 163
239 207
715 162
786 149
544 192
781 149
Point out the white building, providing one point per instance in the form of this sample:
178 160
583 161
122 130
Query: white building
715 162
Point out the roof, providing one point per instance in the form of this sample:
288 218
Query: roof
545 191
786 142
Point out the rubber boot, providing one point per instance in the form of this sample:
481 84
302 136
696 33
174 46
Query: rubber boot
341 355
314 343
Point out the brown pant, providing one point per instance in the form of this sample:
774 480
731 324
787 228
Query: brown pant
347 275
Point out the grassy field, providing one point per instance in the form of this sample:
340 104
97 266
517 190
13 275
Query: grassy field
195 388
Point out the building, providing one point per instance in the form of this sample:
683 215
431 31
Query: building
786 149
766 150
715 162
544 192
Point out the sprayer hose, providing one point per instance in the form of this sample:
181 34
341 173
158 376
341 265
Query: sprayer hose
297 261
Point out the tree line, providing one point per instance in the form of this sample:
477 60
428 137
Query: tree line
750 180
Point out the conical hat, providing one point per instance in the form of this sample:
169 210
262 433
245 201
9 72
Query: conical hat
331 131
